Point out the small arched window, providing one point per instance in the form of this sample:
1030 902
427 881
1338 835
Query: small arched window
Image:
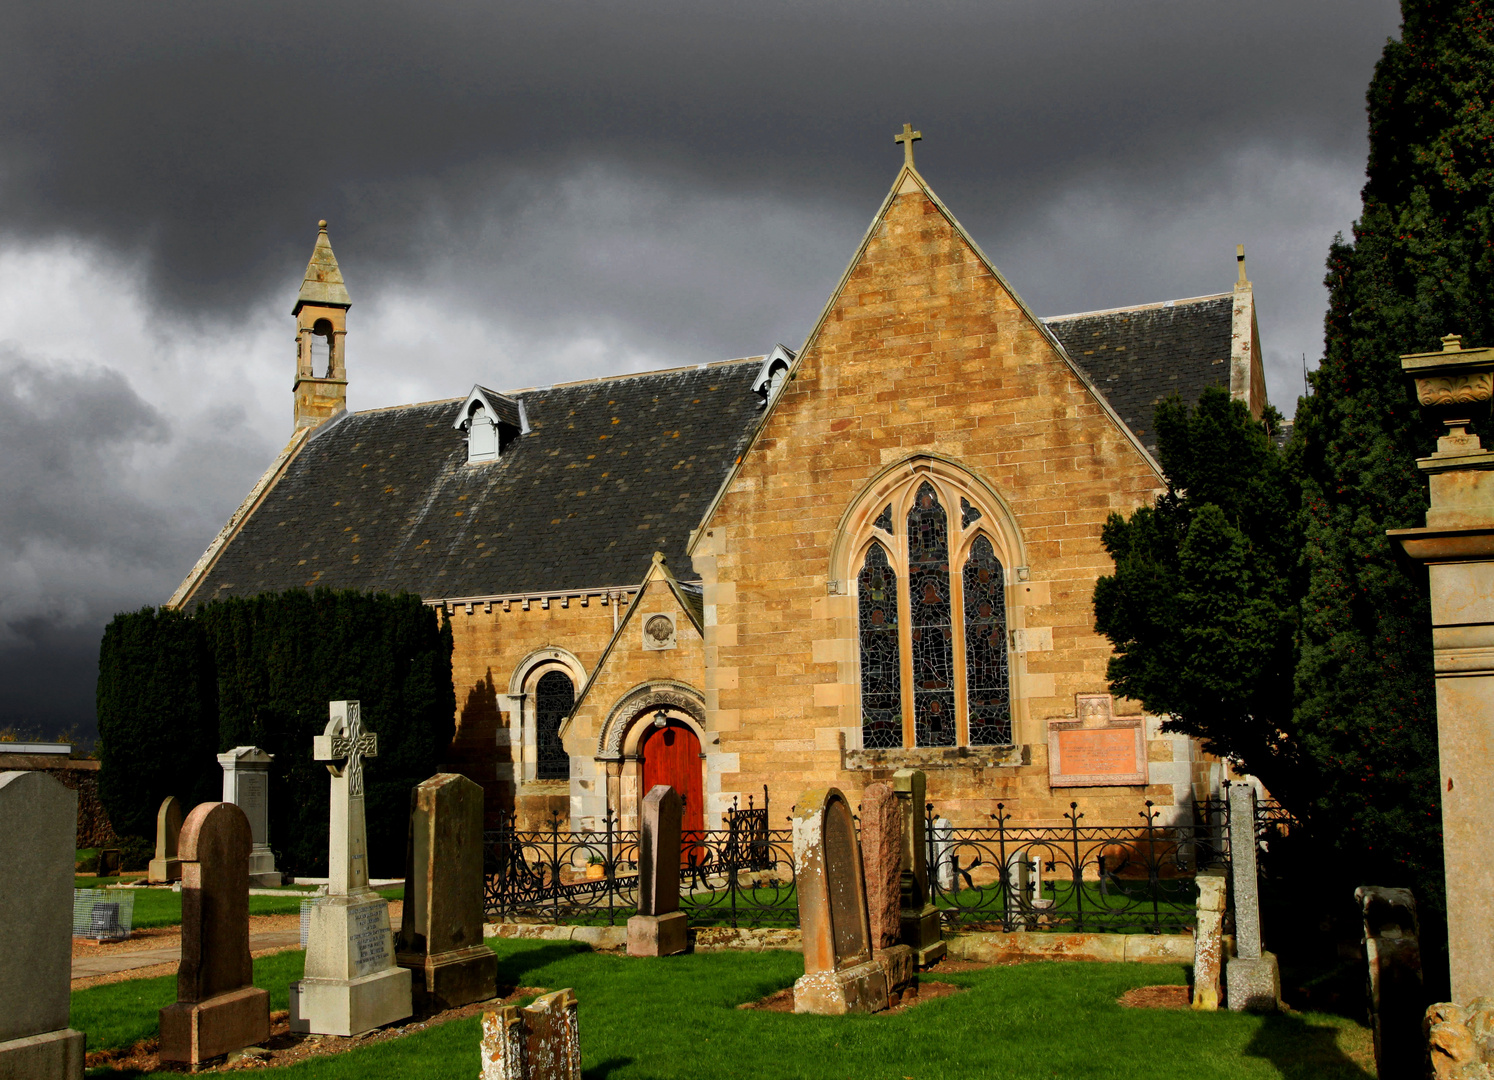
482 434
554 697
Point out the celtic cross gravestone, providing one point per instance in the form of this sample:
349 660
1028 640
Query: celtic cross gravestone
352 983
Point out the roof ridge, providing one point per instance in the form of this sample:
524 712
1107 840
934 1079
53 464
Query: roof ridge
1155 305
639 374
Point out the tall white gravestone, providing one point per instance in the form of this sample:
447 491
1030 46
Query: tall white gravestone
246 784
352 983
38 831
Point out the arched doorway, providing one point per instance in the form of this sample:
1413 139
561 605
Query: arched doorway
671 755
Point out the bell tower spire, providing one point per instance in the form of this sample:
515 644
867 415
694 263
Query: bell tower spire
321 311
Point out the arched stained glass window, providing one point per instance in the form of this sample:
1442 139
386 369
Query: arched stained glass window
930 632
881 675
988 688
554 696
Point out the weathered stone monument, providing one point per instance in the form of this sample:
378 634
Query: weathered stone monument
166 866
539 1042
840 975
921 928
1208 941
1457 546
1252 981
882 834
246 784
440 939
38 823
1397 998
660 927
352 983
218 1008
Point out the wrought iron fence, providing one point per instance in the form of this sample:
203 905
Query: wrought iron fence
739 875
1126 878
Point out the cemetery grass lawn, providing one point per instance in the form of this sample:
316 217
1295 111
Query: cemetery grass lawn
121 1014
676 1019
163 907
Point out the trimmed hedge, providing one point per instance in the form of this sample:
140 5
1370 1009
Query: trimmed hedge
175 690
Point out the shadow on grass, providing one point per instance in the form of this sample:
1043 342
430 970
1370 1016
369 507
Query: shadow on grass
513 966
603 1069
1303 1051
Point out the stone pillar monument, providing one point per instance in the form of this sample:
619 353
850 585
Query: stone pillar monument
246 784
352 983
660 928
1252 981
921 929
1457 546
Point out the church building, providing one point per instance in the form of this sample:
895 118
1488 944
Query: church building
751 577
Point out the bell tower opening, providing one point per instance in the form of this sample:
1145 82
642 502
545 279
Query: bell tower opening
321 390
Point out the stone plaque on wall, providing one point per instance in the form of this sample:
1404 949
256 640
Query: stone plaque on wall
1096 750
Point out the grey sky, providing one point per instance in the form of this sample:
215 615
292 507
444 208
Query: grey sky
526 193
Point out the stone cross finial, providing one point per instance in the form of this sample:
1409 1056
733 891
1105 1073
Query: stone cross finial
908 137
346 741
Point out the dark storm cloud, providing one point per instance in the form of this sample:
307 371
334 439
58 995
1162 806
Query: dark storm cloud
208 136
522 193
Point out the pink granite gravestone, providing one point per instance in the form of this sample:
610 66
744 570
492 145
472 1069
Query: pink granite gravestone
218 1008
659 928
882 860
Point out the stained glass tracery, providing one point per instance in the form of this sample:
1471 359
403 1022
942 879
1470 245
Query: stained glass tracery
884 520
554 696
987 682
931 633
881 675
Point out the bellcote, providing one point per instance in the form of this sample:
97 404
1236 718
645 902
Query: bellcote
321 388
772 375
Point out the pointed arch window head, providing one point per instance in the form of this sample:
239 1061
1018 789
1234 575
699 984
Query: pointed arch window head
554 697
930 586
930 630
881 670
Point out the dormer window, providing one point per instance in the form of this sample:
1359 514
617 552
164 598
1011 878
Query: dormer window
482 434
491 422
773 374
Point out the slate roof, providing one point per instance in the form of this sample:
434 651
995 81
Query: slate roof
1138 356
611 471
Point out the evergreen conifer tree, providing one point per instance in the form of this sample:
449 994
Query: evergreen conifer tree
1420 265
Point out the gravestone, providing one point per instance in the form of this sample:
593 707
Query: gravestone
1397 997
539 1042
440 939
38 826
944 872
1251 978
246 784
919 919
218 1007
660 927
107 864
1208 941
166 866
840 974
882 830
352 982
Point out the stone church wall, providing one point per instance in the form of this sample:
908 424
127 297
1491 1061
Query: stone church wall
925 352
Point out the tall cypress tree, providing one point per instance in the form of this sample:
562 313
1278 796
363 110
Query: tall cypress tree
1420 265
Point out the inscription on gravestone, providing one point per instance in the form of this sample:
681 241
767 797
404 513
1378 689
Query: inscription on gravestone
847 901
369 938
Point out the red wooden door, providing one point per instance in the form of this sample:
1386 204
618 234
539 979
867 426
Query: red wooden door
671 755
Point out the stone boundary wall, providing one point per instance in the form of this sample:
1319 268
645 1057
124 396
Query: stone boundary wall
80 774
979 946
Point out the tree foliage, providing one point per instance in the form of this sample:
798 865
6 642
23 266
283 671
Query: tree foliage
1199 608
1420 265
264 669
